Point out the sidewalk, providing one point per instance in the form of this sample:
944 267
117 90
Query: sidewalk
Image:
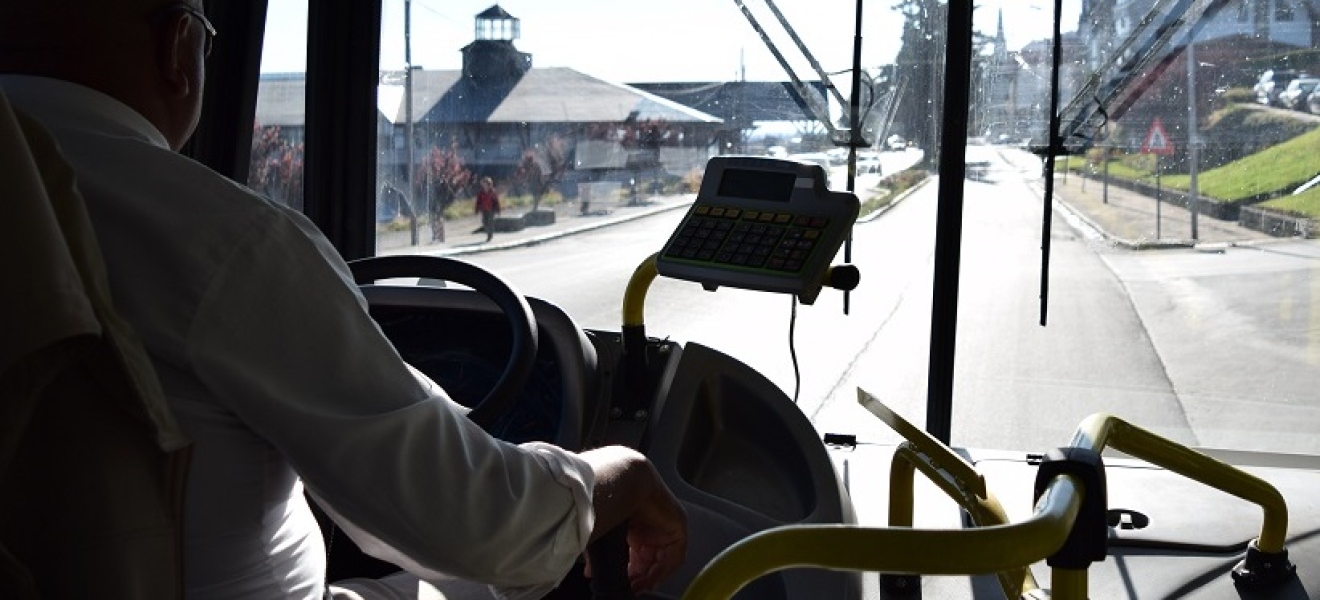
461 236
1124 217
1129 219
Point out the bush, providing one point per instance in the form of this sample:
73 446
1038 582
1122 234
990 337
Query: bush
893 186
1237 95
692 181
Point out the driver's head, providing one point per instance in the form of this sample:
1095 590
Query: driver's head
148 54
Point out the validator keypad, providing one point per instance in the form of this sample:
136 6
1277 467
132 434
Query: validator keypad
747 238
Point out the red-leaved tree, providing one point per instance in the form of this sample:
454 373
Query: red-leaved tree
275 166
542 168
440 179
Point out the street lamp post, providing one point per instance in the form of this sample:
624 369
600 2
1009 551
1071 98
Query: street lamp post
408 116
1193 141
1105 194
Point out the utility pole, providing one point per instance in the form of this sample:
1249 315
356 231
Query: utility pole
1193 138
407 109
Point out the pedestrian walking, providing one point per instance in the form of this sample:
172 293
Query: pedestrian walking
488 206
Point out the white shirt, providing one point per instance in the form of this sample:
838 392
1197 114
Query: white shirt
279 376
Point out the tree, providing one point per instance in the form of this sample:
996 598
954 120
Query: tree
275 166
441 178
920 63
542 168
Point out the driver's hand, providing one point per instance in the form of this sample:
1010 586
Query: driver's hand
657 540
628 488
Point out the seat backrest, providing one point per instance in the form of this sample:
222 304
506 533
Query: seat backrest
92 464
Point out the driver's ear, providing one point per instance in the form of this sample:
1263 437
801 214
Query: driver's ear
174 58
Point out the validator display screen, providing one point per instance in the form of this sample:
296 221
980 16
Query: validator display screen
751 184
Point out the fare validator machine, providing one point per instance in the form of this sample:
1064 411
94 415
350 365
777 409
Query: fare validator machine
762 224
732 446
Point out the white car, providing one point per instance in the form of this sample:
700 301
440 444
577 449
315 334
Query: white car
1295 96
868 164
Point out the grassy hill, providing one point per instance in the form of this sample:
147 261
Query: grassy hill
1274 170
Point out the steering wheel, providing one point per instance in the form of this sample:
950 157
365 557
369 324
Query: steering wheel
609 554
522 323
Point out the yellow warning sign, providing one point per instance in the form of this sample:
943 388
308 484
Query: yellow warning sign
1157 140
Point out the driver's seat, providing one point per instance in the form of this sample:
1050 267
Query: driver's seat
92 464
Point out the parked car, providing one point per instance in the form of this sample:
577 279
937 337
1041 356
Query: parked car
1272 82
868 164
1298 92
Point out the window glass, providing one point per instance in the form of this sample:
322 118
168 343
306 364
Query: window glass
1181 283
276 163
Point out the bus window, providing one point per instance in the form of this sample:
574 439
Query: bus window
275 165
597 113
1106 210
593 113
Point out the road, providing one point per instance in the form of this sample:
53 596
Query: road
1116 339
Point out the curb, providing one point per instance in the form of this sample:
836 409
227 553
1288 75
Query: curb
537 239
875 214
1118 241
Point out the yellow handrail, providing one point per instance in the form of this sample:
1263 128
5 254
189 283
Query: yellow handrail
1101 430
952 473
895 550
634 296
983 510
998 547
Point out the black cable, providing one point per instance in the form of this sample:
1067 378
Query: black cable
792 349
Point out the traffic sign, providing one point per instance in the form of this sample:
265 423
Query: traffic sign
1157 140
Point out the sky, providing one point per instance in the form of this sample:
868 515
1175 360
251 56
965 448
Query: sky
710 40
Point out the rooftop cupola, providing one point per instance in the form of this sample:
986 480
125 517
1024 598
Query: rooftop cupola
491 59
497 24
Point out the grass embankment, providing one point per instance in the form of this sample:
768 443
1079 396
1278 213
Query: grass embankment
1280 168
891 188
1276 170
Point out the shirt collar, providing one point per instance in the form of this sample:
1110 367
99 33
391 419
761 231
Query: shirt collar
60 104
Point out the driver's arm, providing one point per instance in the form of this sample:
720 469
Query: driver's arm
282 337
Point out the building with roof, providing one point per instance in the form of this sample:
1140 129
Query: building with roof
497 114
494 122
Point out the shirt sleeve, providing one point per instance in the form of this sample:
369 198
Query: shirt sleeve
282 337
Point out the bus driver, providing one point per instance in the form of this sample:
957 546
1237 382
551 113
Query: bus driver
272 365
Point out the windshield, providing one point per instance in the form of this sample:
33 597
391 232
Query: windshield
1180 287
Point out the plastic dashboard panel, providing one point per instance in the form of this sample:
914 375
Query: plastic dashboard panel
742 458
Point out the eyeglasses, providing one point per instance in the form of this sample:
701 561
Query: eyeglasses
201 18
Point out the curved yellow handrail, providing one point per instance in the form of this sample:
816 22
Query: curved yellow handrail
1102 430
984 510
895 550
999 548
953 474
634 296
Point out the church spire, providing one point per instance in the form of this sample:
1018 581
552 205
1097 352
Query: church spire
999 33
